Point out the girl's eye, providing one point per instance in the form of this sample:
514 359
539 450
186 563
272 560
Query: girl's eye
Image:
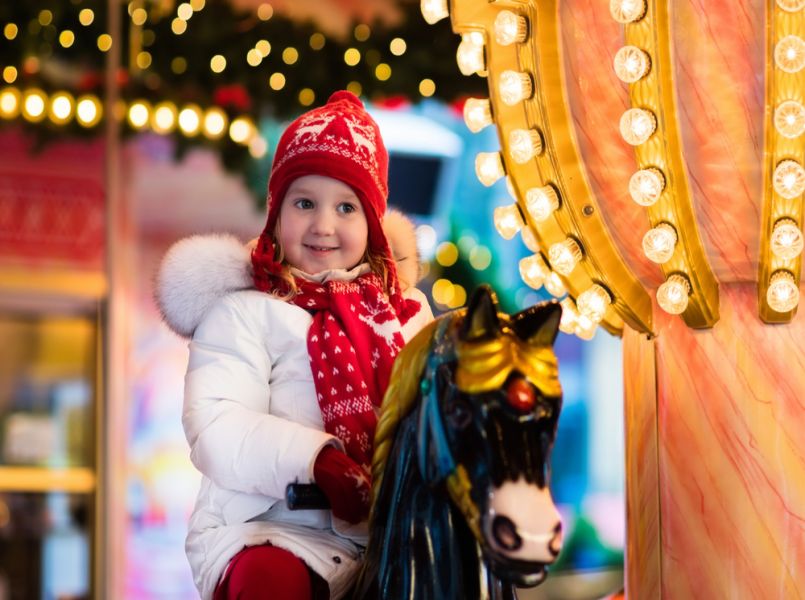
347 208
303 203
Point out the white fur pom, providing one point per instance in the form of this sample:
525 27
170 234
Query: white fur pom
401 235
195 273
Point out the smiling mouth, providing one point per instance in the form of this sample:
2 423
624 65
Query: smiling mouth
320 248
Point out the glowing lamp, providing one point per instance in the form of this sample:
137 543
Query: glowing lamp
470 53
61 108
477 114
524 144
190 120
489 167
214 124
789 54
433 10
33 105
789 179
10 100
529 239
533 271
163 119
631 64
782 293
673 295
241 130
514 87
139 114
564 256
553 283
659 243
637 125
510 28
786 239
593 302
541 202
508 220
627 11
567 324
789 119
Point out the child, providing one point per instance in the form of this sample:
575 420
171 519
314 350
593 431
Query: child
284 380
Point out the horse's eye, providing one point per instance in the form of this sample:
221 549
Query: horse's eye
458 414
520 395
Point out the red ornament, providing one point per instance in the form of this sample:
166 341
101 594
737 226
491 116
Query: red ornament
520 395
233 96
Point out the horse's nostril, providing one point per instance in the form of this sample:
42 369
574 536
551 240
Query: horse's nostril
505 533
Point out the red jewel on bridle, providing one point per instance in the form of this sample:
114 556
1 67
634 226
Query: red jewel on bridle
520 395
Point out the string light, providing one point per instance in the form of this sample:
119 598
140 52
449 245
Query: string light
789 179
163 119
631 64
290 55
139 16
317 41
510 28
637 125
277 81
178 26
383 72
10 31
567 323
263 47
593 302
184 11
88 111
524 144
217 63
427 88
10 74
541 202
33 105
258 147
62 106
265 12
215 122
447 254
533 270
306 96
477 114
789 54
789 119
515 87
397 46
508 220
554 285
488 167
786 239
627 11
362 32
585 328
673 295
190 120
433 11
241 130
659 243
139 114
10 100
646 186
480 258
470 53
564 256
104 42
782 294
352 56
66 38
529 239
86 17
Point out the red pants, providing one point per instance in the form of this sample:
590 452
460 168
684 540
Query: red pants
268 572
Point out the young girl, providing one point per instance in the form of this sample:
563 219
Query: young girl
284 380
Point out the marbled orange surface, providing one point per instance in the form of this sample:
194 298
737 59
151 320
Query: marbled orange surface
731 432
642 483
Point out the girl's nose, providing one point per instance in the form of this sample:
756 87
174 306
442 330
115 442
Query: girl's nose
323 223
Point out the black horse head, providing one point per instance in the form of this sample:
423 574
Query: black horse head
462 455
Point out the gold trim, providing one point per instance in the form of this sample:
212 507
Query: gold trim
780 86
663 150
77 480
560 164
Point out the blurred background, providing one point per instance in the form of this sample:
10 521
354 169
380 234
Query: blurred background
127 126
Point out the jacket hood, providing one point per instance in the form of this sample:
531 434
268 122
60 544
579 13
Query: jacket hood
199 270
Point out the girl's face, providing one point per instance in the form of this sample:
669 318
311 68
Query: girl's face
322 225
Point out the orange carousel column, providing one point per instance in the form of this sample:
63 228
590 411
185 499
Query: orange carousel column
723 498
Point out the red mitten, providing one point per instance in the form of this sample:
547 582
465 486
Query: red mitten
344 482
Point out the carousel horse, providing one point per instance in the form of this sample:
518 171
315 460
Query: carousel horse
461 503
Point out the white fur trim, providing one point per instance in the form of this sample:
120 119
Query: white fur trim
195 273
401 235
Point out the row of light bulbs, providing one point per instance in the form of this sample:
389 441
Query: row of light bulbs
637 125
583 316
62 107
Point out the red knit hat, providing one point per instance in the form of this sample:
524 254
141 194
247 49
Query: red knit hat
338 140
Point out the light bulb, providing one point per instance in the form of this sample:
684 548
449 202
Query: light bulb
61 107
673 295
477 114
507 220
659 243
433 10
553 283
564 256
627 11
593 302
33 105
241 130
786 239
510 187
215 123
514 87
470 53
646 186
567 324
783 293
789 54
10 100
488 167
533 270
510 28
164 117
631 64
791 5
541 202
524 144
585 327
190 120
529 239
637 125
789 179
88 110
789 119
139 114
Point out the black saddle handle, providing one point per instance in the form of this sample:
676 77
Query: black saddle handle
305 496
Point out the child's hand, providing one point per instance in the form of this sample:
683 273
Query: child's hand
345 483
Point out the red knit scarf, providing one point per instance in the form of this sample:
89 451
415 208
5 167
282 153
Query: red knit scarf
352 343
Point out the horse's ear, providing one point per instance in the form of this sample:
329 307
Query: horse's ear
481 321
539 324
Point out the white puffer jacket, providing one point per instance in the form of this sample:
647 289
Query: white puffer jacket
250 413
